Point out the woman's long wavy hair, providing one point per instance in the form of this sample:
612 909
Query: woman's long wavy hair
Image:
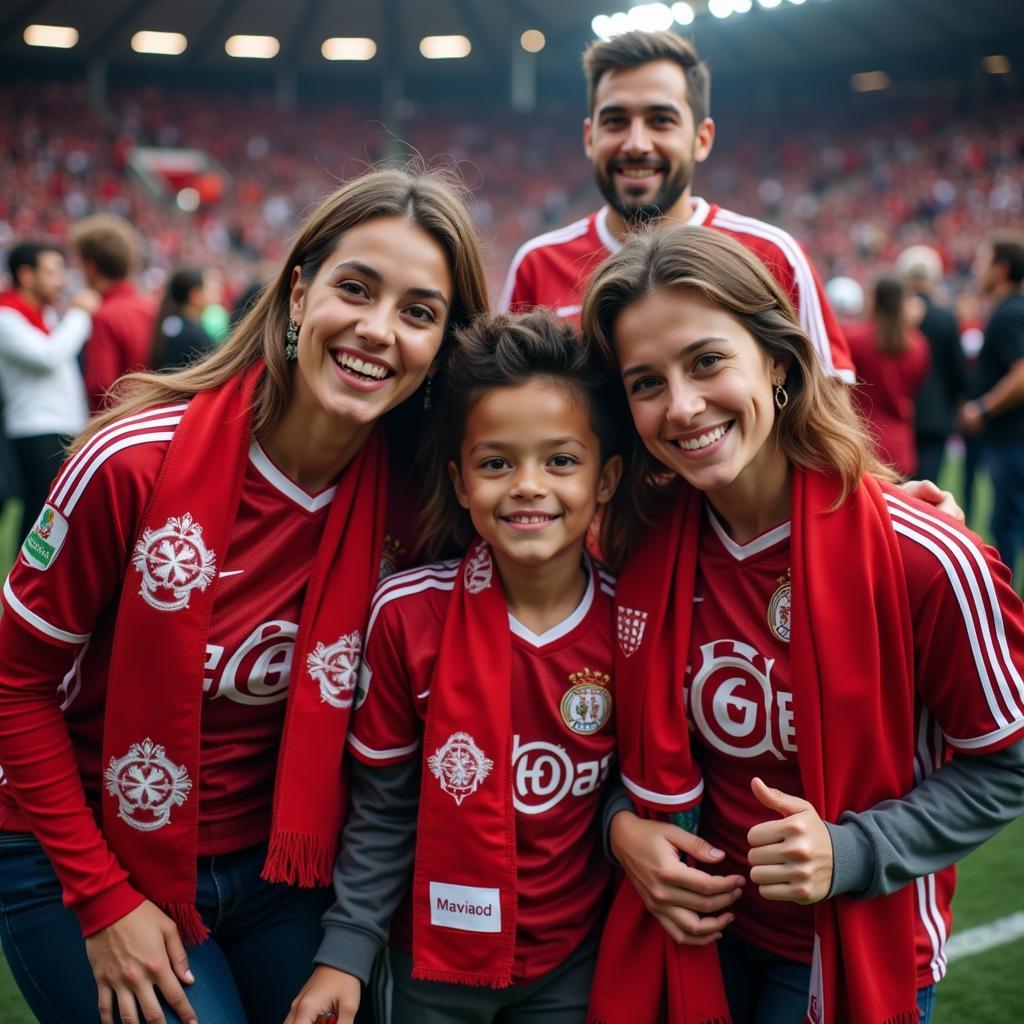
431 198
818 429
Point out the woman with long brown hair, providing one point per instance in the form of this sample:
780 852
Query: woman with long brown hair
798 641
182 629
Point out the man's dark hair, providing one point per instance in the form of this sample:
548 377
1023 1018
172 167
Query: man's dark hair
1008 250
26 254
634 49
109 243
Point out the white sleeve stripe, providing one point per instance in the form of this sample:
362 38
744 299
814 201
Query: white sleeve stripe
663 799
444 570
381 755
811 317
976 742
95 450
128 442
989 612
964 601
430 583
115 429
557 237
38 621
939 962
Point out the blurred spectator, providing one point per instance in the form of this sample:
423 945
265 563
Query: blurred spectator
891 357
998 408
179 337
972 337
945 386
246 301
846 297
122 328
41 385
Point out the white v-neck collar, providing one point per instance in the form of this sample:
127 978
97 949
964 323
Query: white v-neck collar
567 625
741 552
291 490
612 244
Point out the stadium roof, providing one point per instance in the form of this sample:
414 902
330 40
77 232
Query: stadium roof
811 35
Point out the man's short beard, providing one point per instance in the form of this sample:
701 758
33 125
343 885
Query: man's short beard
640 214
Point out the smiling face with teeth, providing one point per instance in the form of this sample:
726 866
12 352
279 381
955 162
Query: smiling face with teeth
530 473
643 142
371 321
700 389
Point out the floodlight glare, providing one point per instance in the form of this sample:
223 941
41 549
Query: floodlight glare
741 6
169 43
683 13
650 17
60 37
996 64
188 200
445 47
768 4
797 2
348 48
532 40
720 8
255 47
602 27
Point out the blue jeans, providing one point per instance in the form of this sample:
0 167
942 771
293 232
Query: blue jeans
1006 467
259 954
765 988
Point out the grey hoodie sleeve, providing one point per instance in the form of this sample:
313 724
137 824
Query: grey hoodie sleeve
374 868
942 819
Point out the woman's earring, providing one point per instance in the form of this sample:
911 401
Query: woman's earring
781 398
427 403
291 337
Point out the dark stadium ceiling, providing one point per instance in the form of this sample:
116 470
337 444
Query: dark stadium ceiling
842 35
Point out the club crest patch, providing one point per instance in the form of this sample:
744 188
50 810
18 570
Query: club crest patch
779 609
147 786
336 668
459 766
45 539
173 561
629 627
479 569
587 704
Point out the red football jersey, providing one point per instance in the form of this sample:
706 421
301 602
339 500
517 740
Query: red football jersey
970 694
64 589
552 270
563 746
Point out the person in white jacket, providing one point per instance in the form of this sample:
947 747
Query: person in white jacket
40 382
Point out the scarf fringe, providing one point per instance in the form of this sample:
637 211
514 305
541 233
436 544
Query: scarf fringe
593 1018
190 925
462 978
296 859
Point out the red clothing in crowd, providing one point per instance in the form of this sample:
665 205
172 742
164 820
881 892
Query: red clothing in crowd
122 334
885 393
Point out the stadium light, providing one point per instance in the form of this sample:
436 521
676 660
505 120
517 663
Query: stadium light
870 81
445 47
348 48
532 40
797 2
188 200
60 37
741 6
650 17
256 47
169 43
683 13
768 4
601 26
720 8
996 64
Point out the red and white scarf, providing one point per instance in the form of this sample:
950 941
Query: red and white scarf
155 687
33 314
851 664
464 884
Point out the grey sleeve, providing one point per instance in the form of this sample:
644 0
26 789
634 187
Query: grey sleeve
942 819
374 868
615 799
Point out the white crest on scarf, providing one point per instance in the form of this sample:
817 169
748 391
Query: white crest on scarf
147 785
460 766
479 569
173 561
335 669
630 627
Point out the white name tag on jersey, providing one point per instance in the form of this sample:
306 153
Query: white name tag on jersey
467 908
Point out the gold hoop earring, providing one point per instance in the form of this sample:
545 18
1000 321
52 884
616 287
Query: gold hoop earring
781 398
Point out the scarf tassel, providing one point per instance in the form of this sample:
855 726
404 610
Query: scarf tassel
297 859
593 1018
190 925
460 978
